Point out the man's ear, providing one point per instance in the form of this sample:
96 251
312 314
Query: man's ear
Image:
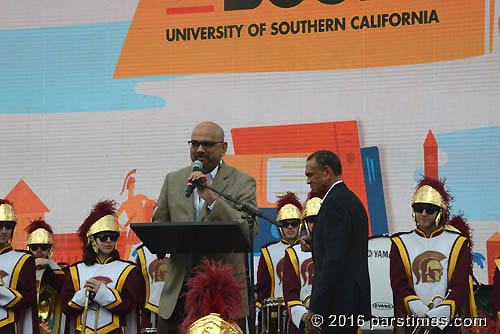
328 170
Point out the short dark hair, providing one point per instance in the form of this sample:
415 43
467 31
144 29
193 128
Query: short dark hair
327 158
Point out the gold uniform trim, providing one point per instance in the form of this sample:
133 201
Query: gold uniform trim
451 303
497 262
295 261
117 302
40 236
15 300
73 270
291 303
7 213
75 306
472 300
144 272
405 258
106 223
454 256
119 287
270 268
408 299
12 287
258 304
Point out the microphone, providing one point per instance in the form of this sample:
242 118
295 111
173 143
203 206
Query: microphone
197 166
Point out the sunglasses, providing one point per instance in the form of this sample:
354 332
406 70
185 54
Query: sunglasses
7 225
292 224
113 236
44 248
429 208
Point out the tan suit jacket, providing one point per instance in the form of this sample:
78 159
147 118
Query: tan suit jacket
173 206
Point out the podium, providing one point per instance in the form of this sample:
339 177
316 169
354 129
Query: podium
189 237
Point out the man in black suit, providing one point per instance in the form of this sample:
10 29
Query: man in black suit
340 299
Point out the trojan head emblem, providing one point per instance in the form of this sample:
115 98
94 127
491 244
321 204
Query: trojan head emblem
158 269
307 272
427 267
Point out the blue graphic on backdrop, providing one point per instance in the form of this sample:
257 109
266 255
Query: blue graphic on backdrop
67 69
374 190
471 171
478 259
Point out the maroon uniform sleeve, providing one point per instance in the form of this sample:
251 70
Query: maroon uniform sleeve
26 286
400 285
495 298
68 291
263 281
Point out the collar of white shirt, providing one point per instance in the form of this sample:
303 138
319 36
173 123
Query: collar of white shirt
333 185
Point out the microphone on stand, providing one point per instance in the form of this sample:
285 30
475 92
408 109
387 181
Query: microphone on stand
197 166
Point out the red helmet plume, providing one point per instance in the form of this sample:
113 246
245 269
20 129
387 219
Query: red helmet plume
100 209
38 223
5 201
214 289
438 185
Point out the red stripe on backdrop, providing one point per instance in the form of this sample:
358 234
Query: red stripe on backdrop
190 10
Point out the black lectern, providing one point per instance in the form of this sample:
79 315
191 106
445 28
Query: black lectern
186 237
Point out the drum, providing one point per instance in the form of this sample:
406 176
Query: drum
149 331
274 316
379 248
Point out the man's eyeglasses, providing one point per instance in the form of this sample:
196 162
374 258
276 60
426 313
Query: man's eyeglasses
113 236
7 225
292 224
43 247
429 208
194 144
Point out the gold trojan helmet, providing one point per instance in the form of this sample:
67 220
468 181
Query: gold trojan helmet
7 213
432 191
311 208
101 218
288 207
39 232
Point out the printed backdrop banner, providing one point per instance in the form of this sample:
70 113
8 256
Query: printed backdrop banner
224 36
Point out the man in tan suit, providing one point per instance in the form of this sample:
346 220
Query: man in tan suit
207 145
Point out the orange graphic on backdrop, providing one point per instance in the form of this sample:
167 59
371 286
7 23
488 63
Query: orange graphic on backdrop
28 207
138 208
457 31
253 147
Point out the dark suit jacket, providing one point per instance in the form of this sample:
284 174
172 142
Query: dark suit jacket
341 283
173 206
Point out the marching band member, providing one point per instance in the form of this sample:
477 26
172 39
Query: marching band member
298 271
270 270
17 280
430 266
102 293
49 276
154 272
